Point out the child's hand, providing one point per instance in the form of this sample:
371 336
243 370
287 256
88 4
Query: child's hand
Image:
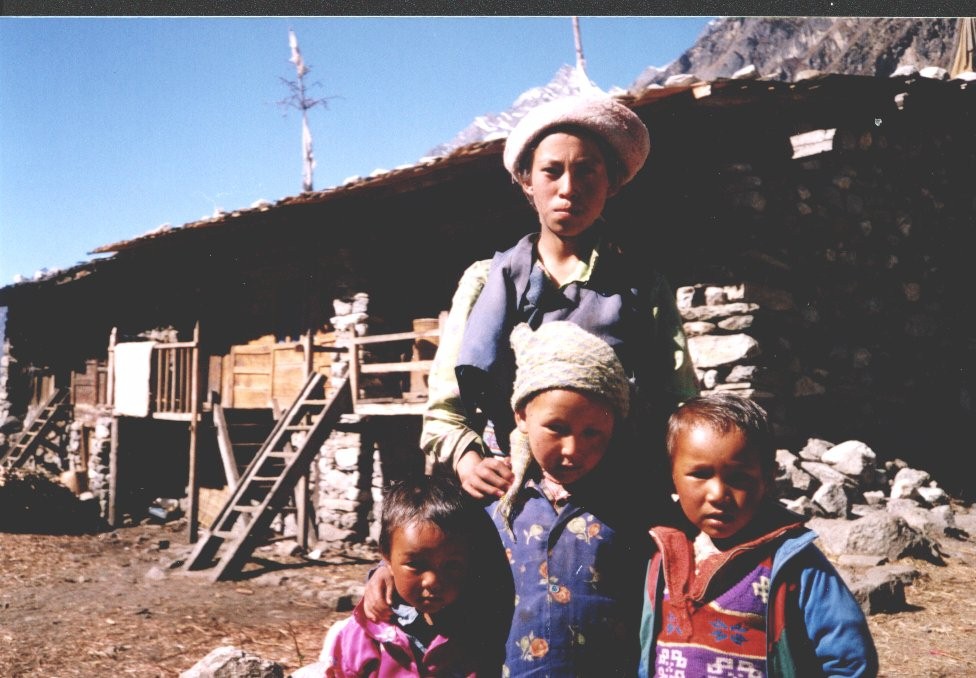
489 477
378 595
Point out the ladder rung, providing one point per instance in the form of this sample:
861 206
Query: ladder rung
280 454
264 479
299 427
247 509
314 402
223 534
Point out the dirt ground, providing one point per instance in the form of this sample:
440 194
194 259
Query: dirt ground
108 605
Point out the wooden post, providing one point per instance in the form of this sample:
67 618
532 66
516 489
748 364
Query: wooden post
193 490
301 488
301 510
113 474
110 377
113 452
354 369
308 343
226 447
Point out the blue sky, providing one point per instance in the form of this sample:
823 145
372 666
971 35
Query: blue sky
111 127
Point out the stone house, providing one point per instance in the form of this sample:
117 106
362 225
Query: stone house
817 235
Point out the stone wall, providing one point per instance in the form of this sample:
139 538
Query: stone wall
8 424
99 452
841 291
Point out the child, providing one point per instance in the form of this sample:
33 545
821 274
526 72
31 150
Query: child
741 590
427 537
568 156
576 547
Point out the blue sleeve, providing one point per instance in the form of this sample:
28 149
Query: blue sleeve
646 665
835 625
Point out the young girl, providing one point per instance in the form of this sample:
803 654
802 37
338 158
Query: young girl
576 547
740 589
429 537
568 156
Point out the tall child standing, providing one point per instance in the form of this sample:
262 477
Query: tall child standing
740 589
568 156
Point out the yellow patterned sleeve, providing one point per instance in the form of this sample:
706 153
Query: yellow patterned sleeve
447 430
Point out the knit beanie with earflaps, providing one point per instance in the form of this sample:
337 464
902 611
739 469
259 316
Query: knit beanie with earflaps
562 355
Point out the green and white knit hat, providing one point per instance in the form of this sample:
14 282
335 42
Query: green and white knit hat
560 354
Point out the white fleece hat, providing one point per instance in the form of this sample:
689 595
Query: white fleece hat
561 354
558 355
602 115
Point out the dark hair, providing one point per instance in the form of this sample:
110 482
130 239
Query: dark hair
723 412
436 499
615 167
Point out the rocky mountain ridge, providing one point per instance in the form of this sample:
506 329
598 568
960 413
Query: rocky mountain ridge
779 48
782 47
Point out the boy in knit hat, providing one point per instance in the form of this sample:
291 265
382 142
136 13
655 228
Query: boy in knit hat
575 537
574 547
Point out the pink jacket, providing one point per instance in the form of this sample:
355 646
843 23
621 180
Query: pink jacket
382 649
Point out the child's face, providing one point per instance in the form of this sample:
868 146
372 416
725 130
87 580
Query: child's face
719 479
568 432
428 566
568 183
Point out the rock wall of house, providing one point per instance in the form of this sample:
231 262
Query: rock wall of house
7 424
845 300
347 479
99 452
347 475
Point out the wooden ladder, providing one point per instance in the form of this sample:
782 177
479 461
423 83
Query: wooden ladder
269 480
46 429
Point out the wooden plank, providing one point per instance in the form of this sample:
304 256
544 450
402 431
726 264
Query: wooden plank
113 474
110 388
400 336
173 416
193 518
301 513
262 349
412 366
366 408
226 447
177 344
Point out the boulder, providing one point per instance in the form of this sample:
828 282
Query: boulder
814 449
878 533
232 662
907 481
934 522
882 588
852 458
716 350
830 500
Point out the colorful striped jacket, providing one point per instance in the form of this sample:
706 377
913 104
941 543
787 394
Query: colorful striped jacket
814 626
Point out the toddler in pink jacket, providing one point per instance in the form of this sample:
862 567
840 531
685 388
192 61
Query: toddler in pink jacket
443 622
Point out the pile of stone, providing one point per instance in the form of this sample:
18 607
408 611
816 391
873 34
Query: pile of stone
9 424
351 320
348 480
99 460
869 516
232 662
346 476
733 332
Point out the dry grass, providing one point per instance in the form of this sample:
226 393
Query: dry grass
82 606
937 636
